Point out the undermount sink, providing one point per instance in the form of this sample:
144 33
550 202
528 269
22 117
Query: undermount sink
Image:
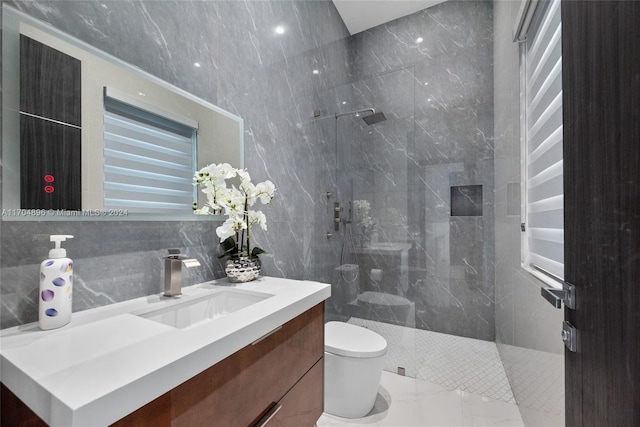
198 310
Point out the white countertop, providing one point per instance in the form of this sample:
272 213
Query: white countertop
108 362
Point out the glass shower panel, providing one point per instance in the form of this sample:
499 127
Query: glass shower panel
371 282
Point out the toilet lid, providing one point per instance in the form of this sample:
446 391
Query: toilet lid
345 339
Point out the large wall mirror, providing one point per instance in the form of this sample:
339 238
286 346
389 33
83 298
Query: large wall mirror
87 136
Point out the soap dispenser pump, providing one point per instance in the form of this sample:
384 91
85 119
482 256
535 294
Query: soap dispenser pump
56 286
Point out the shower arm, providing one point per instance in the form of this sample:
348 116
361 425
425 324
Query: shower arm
349 113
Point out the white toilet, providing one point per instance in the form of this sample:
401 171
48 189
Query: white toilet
353 360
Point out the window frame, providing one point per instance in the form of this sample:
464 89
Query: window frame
121 106
522 29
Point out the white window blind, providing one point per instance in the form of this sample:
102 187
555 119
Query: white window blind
543 145
149 161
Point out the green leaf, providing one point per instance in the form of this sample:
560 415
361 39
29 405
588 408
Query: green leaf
229 247
257 251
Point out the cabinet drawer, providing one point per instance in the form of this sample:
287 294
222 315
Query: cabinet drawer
236 391
303 404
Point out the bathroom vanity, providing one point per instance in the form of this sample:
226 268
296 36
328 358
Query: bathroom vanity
218 355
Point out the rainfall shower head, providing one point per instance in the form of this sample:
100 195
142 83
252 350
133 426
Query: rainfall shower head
374 118
371 119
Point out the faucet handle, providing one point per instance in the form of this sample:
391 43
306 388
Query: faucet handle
173 254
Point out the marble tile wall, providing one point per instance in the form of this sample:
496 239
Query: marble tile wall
439 99
527 327
437 96
246 68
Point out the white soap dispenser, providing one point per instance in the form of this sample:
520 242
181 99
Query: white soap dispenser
56 286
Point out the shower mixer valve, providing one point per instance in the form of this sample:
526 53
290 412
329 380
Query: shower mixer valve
336 215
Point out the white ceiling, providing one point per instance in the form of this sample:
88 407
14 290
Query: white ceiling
360 15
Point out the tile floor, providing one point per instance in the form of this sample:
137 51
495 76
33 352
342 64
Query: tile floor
451 381
407 402
457 363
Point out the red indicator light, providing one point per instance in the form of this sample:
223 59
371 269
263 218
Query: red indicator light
49 189
49 178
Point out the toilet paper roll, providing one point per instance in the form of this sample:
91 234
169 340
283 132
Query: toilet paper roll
376 274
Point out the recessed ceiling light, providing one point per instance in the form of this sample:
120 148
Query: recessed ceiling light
196 64
344 102
142 94
316 72
279 29
419 40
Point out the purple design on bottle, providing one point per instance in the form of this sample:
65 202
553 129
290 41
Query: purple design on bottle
47 295
51 312
59 281
49 263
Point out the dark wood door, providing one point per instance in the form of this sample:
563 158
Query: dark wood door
601 96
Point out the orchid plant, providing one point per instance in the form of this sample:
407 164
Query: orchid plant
236 202
365 224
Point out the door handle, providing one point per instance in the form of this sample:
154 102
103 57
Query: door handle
557 297
570 336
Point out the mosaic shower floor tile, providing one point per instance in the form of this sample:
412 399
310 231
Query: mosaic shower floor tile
456 363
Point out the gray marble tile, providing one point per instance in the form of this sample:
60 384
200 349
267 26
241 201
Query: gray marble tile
403 166
113 261
444 28
170 36
246 69
455 110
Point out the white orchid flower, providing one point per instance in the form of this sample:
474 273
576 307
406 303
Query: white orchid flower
202 211
243 175
265 191
230 227
257 217
226 230
225 170
233 201
249 190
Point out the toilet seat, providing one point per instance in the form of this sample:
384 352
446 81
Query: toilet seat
349 340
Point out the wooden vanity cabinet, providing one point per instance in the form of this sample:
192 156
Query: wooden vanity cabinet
280 375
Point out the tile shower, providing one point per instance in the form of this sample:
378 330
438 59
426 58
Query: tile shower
427 172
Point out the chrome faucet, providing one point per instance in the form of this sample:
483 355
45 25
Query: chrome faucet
173 272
